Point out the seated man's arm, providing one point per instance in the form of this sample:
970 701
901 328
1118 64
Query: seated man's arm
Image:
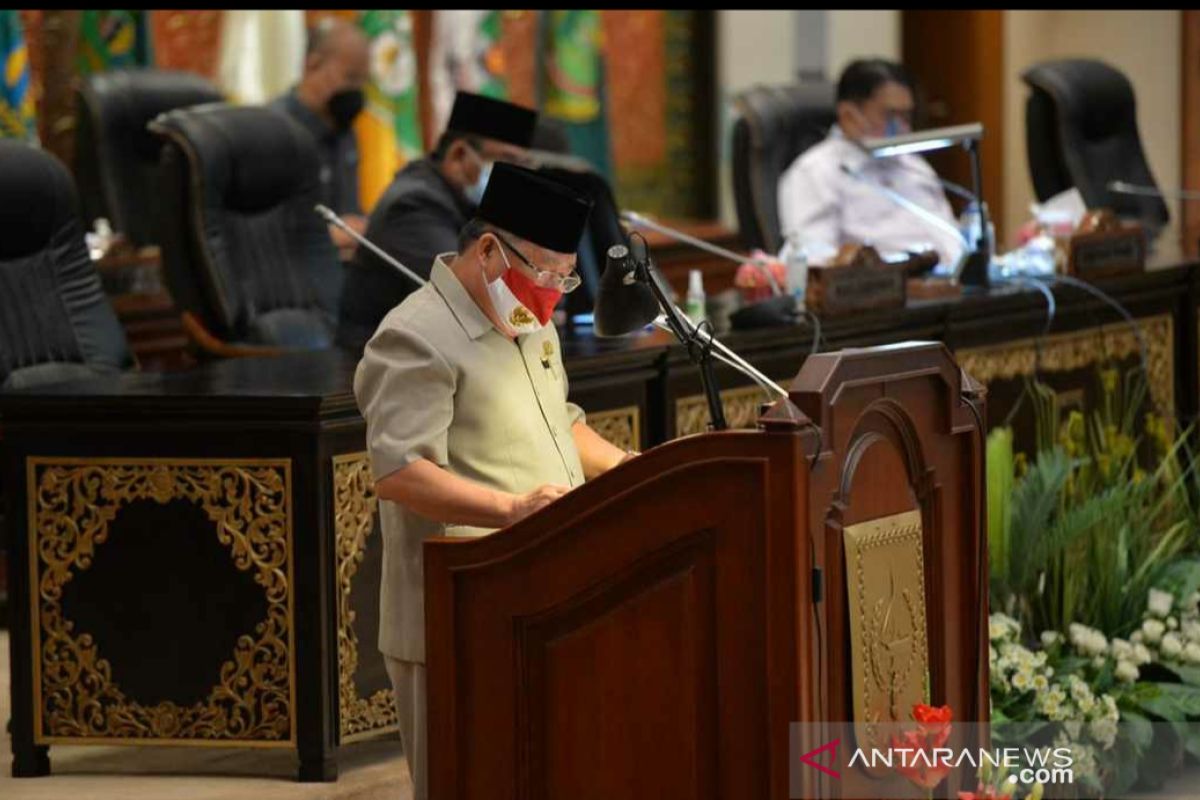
437 494
596 453
808 207
412 233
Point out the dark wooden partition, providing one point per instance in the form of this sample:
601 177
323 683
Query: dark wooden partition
654 633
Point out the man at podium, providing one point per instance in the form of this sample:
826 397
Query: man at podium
465 399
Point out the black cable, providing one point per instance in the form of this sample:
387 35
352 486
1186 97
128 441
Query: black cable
1051 311
1107 298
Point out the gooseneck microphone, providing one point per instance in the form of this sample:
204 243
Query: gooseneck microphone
1122 187
334 219
634 218
904 202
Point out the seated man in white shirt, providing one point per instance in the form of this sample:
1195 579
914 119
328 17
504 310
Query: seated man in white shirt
822 207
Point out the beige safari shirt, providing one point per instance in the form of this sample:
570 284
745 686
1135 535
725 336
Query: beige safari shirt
438 381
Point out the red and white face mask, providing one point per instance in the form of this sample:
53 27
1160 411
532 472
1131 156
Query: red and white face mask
522 304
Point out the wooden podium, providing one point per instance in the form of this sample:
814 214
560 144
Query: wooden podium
654 633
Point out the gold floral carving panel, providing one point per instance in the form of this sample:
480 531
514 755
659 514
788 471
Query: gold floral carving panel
1064 352
354 508
889 657
77 698
741 410
620 426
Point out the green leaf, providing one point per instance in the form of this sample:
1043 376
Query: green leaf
1139 730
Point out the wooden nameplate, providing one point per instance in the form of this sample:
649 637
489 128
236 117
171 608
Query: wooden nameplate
1103 246
856 280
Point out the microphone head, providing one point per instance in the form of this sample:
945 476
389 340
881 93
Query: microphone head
624 303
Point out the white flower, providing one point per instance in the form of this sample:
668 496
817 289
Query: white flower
1192 652
1136 638
1002 627
1126 671
1098 662
1172 623
1160 603
1171 646
1103 731
1122 649
1023 680
1153 630
1040 683
1051 638
1191 630
1141 654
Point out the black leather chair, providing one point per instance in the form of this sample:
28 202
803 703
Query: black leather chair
774 125
56 323
1081 130
116 158
249 264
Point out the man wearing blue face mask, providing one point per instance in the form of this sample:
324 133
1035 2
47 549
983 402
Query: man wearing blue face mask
835 193
421 213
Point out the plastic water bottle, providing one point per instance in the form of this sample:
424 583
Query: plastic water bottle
695 305
796 261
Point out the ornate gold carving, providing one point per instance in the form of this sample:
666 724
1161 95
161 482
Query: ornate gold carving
741 410
77 699
620 426
354 507
885 574
1070 351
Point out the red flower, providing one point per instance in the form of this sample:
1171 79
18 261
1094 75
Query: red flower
933 721
922 764
985 793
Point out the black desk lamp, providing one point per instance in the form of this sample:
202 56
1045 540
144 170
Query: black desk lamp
630 296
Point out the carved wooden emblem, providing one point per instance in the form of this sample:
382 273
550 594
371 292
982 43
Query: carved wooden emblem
885 576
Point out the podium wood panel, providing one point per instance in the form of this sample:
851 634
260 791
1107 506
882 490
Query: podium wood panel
654 633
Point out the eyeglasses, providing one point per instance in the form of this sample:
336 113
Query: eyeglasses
544 278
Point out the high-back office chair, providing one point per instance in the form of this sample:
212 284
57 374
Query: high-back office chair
774 125
56 323
1081 130
604 223
116 158
249 264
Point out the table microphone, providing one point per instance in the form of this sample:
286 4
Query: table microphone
334 219
1122 187
634 218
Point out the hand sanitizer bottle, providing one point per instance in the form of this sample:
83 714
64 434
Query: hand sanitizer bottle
695 297
796 259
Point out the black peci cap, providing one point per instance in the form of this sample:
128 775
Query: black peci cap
538 209
492 118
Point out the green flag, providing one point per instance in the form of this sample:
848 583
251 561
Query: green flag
389 130
16 95
114 39
572 84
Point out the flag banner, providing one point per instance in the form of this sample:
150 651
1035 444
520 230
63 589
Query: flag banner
466 52
573 82
114 39
16 94
389 129
262 54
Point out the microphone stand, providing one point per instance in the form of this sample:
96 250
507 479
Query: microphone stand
334 219
699 348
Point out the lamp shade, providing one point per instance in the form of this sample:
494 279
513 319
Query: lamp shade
923 141
624 303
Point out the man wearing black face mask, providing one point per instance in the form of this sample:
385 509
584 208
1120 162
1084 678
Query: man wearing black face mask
326 101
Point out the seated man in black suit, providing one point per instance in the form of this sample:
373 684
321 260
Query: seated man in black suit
421 213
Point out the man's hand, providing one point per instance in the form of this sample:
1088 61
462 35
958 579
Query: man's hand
525 504
343 241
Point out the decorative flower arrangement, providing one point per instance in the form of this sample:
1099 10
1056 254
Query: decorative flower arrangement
751 277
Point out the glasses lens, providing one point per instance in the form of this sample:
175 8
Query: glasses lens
571 283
